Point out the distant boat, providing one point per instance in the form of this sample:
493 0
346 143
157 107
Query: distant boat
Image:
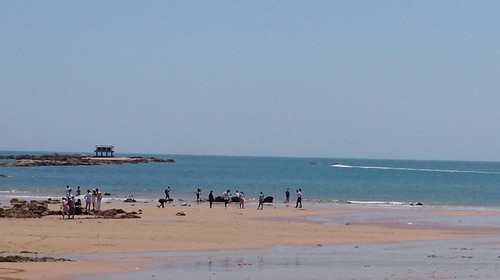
314 162
335 163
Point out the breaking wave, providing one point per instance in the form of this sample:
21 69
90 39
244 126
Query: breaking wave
414 169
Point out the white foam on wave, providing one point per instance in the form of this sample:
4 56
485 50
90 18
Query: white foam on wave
377 202
414 169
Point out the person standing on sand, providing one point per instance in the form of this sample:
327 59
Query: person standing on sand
227 196
299 198
72 207
261 202
94 195
198 193
167 193
242 200
68 192
88 200
98 199
65 207
287 196
211 198
78 191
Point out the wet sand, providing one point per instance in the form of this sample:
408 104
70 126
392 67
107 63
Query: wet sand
345 233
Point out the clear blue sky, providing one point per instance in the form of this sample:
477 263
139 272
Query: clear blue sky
362 79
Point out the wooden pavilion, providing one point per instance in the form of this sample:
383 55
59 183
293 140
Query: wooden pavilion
104 151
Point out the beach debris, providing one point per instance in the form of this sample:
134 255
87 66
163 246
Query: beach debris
181 213
17 258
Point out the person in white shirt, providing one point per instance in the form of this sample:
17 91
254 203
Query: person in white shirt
227 196
299 198
88 200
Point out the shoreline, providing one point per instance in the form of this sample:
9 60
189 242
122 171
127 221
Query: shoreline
93 240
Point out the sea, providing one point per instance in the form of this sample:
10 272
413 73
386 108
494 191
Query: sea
322 180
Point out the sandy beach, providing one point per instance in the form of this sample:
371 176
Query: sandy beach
108 245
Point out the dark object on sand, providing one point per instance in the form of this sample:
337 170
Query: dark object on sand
18 258
129 200
268 199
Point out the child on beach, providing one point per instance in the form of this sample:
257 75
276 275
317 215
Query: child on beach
65 207
242 200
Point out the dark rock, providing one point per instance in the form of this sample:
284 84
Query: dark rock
129 200
219 199
268 199
17 201
117 214
17 258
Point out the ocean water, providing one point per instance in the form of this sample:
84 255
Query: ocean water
364 181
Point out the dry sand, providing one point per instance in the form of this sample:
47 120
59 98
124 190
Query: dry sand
160 229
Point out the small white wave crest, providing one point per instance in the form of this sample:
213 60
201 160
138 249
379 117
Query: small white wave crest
414 169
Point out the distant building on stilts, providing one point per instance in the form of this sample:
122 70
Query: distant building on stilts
104 151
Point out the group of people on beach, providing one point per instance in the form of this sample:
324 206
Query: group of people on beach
227 197
69 203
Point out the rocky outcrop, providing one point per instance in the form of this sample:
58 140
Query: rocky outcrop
117 214
37 209
69 160
23 209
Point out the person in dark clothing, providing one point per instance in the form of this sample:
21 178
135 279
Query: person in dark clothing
167 194
211 198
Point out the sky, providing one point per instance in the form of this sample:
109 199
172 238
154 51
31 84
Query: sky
335 79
